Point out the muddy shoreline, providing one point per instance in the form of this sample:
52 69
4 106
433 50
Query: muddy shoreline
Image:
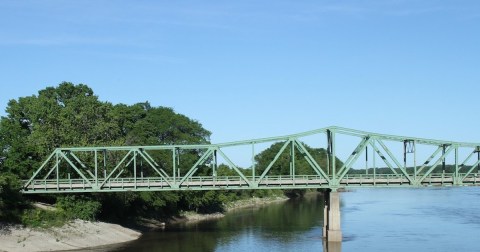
80 234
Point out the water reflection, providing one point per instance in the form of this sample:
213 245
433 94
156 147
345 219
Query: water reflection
285 226
332 246
394 219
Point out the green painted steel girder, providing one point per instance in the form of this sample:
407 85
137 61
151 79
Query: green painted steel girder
79 169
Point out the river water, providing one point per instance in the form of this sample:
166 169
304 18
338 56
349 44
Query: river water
425 219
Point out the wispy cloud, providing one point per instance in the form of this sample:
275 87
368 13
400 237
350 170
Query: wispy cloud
412 11
67 41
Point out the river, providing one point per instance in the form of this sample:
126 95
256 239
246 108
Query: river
425 219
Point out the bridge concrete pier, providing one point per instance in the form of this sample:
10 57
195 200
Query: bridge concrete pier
331 217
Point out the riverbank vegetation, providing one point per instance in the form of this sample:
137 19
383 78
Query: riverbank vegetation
72 115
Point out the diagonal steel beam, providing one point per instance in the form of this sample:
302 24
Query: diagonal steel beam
81 164
359 151
194 168
429 159
234 167
152 163
315 166
470 170
40 169
435 165
120 173
359 148
150 157
385 160
402 169
115 169
264 173
51 170
76 169
164 175
466 159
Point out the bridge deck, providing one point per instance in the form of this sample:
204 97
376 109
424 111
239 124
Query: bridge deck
236 182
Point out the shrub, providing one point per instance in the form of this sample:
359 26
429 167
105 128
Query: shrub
39 218
11 200
79 207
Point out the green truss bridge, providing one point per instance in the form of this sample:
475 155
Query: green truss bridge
370 160
171 167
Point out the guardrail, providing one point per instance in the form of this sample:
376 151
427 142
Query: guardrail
237 182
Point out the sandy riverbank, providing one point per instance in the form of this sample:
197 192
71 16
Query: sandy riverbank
83 234
190 217
73 235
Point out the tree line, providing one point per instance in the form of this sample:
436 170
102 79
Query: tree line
72 115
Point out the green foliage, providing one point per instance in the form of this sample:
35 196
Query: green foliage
72 115
282 165
38 218
266 193
69 115
78 207
11 200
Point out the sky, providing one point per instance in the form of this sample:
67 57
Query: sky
251 69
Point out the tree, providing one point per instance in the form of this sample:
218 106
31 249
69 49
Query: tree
71 115
68 115
11 200
282 165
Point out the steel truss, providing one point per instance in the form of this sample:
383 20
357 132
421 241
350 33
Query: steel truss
159 168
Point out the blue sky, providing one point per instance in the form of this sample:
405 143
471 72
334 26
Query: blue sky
248 69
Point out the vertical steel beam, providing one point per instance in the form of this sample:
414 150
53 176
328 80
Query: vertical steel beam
178 162
414 160
57 171
215 164
366 159
174 165
334 155
105 164
253 162
96 168
374 161
135 168
292 156
443 160
329 150
478 158
455 176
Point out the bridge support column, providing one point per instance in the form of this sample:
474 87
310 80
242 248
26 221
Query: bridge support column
331 217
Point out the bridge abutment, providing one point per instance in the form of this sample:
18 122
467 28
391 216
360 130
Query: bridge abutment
331 217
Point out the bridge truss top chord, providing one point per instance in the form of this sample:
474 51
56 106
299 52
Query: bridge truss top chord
195 167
